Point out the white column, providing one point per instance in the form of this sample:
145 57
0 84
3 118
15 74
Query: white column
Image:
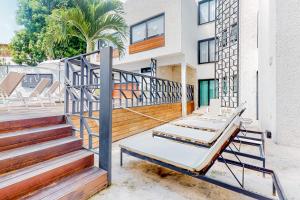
183 88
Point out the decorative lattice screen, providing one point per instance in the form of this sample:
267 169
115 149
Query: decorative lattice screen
227 52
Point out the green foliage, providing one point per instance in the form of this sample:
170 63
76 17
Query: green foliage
64 28
69 48
32 13
29 45
89 21
26 48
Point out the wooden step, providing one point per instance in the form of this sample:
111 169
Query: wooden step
24 156
31 136
29 179
14 125
80 186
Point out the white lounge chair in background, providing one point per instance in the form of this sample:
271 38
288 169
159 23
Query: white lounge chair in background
8 85
214 110
209 124
196 136
59 96
50 94
35 95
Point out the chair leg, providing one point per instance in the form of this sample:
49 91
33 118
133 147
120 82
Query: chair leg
121 158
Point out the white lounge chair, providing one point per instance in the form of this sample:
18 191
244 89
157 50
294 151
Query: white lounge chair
212 125
202 137
35 95
49 95
52 89
214 111
196 136
9 84
191 160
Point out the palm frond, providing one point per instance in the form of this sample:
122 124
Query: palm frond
91 20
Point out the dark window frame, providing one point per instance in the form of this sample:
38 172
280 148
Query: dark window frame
146 28
145 70
209 21
208 50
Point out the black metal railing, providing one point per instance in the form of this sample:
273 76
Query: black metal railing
83 82
133 90
92 91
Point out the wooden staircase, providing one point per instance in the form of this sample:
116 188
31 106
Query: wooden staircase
40 159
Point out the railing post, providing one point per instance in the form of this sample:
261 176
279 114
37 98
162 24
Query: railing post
82 88
66 104
105 120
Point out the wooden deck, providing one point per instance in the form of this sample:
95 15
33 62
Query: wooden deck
40 155
23 113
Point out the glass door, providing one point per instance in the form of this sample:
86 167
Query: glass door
204 93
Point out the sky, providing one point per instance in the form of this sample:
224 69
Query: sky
8 24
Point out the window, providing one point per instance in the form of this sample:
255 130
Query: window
235 84
224 86
147 29
155 27
146 70
138 33
206 51
206 11
224 38
234 33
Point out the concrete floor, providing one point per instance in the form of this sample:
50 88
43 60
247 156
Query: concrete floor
138 179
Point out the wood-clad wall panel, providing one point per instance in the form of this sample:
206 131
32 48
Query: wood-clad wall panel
148 44
127 123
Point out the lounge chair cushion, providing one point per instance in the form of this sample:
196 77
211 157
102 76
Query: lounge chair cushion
188 134
200 124
52 89
222 142
38 90
177 154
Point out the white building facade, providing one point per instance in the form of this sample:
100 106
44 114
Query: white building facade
176 33
180 36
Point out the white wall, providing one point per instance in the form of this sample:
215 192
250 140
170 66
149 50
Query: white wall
137 11
189 36
205 31
267 65
248 55
279 70
288 71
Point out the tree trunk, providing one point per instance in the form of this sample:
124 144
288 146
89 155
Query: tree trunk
89 48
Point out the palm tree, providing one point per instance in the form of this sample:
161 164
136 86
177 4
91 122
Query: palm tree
89 20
